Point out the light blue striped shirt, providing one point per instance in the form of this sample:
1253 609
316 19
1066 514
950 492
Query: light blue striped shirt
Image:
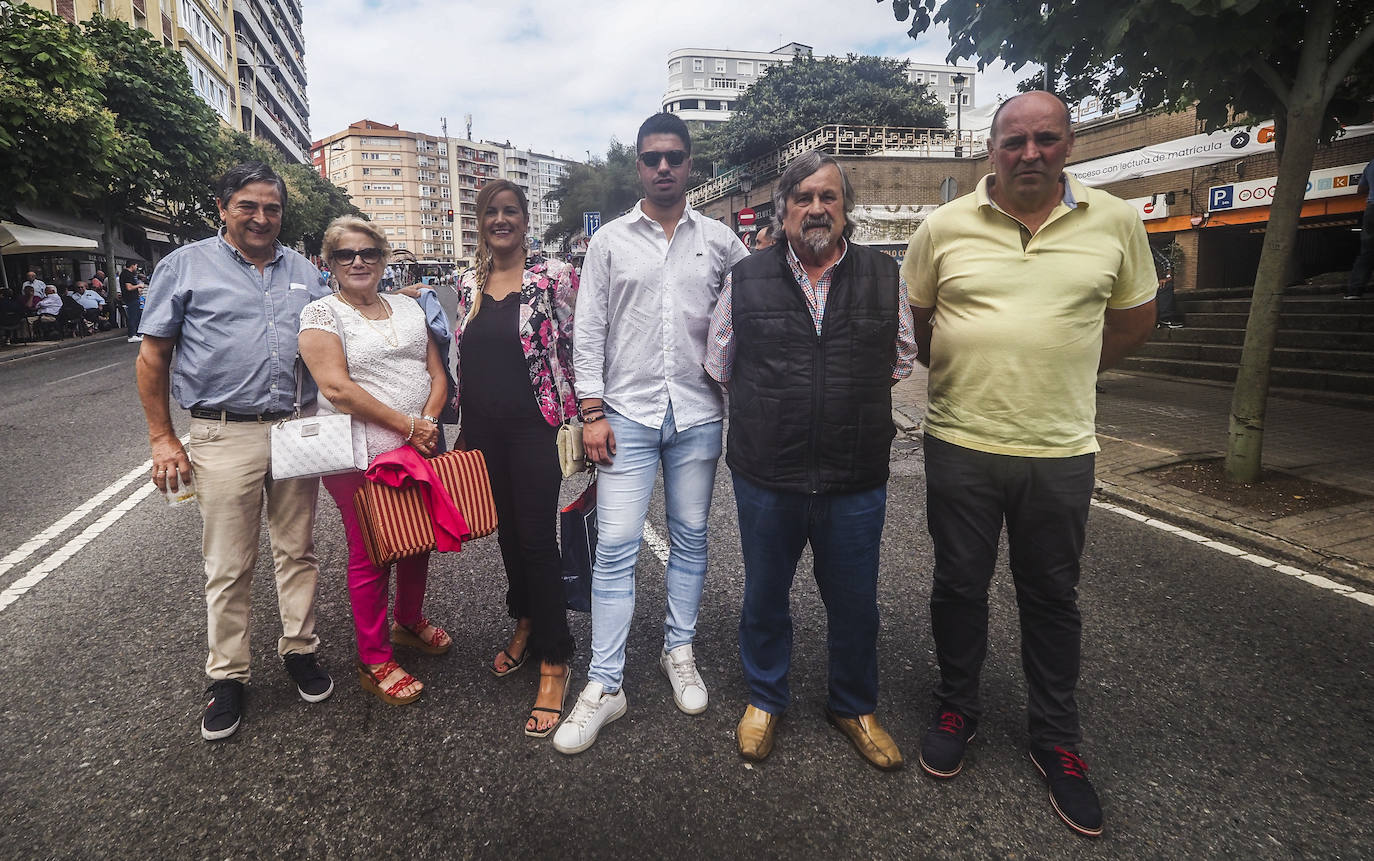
235 327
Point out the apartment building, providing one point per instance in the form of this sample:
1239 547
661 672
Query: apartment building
246 58
271 103
402 180
546 172
704 83
473 163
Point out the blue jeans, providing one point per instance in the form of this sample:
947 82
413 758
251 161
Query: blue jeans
622 500
844 530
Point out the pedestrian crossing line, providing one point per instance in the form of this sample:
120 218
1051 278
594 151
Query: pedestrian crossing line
1313 579
656 543
28 548
55 560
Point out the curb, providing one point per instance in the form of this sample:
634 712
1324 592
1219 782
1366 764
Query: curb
1329 563
70 344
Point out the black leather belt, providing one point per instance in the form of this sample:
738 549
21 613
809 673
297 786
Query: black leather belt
225 415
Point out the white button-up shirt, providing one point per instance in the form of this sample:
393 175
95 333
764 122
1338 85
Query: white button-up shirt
643 313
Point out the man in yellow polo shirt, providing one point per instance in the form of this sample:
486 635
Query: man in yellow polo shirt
1021 292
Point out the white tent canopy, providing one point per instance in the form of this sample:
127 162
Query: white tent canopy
18 239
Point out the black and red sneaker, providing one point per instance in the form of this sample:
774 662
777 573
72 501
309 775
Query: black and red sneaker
942 748
223 712
1073 797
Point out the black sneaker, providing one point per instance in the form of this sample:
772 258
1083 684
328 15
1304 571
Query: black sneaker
313 683
222 713
1073 797
942 749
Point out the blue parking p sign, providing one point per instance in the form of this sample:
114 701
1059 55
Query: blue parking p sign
590 222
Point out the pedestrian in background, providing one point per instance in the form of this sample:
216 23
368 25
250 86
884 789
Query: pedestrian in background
1009 433
649 282
810 336
220 336
131 293
514 342
372 357
1364 262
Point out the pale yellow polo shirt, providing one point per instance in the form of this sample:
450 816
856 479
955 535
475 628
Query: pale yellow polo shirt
1018 330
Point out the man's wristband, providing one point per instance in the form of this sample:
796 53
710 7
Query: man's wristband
592 418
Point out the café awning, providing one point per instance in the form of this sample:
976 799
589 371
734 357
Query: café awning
19 239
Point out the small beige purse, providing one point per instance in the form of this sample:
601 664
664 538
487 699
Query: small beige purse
571 457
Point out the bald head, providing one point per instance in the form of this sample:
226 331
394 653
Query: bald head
1035 96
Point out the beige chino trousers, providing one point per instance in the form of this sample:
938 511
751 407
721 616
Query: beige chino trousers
233 471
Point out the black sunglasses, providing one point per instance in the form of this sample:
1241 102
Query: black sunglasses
344 256
675 158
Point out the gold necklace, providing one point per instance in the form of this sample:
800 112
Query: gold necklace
391 338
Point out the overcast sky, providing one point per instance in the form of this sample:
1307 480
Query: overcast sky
562 77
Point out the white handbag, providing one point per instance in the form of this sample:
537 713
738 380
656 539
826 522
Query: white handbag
317 445
571 458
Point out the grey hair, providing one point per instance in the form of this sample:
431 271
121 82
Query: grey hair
240 175
802 167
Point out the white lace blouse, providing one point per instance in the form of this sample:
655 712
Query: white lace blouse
398 375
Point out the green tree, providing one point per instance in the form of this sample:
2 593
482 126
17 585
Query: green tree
55 131
607 185
1308 65
166 137
794 98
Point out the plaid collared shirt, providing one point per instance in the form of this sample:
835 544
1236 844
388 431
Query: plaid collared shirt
720 345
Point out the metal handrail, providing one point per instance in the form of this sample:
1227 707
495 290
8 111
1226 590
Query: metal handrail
841 140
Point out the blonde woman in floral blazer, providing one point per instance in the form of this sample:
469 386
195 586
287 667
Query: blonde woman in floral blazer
514 346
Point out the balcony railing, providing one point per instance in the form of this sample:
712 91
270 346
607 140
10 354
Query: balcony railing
842 140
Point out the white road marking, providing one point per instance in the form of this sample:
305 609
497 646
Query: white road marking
1314 579
28 548
656 543
84 373
66 551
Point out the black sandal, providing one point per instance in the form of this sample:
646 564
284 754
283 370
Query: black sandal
511 663
558 712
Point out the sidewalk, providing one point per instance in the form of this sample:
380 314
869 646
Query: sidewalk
11 352
1146 422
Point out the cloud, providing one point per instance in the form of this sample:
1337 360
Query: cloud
560 77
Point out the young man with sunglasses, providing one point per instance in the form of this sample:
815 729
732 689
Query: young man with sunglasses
649 284
231 307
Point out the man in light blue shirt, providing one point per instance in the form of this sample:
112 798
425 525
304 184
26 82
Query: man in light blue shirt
219 334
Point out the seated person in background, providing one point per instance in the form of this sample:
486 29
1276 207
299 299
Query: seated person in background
50 305
92 305
14 318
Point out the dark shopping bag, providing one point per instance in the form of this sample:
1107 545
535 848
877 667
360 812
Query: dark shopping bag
577 532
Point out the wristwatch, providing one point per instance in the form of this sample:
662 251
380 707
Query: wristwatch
434 420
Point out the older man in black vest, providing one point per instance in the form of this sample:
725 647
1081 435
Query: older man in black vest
809 335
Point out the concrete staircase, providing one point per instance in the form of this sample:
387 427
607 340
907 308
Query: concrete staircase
1325 348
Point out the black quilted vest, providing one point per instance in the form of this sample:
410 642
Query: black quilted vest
813 414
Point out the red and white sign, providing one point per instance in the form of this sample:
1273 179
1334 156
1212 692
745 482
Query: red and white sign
746 217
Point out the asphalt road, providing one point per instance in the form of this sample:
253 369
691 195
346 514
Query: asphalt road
1228 709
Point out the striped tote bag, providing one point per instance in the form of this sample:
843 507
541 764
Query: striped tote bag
395 522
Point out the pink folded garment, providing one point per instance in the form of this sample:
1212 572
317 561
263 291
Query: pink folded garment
404 466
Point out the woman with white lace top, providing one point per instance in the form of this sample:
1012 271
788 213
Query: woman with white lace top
372 357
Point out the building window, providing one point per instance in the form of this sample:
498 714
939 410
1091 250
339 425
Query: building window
724 84
963 98
744 67
720 65
698 65
675 67
934 78
953 99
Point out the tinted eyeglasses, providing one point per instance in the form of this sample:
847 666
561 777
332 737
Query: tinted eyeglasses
675 158
344 256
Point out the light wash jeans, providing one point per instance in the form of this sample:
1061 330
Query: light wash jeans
622 500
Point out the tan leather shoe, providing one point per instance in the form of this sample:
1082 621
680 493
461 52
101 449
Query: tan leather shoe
755 733
870 739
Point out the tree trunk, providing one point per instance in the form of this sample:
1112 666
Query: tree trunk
1246 439
107 221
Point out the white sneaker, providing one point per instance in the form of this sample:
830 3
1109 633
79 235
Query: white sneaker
135 338
590 713
689 691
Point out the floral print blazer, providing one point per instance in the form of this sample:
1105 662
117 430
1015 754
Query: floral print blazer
547 294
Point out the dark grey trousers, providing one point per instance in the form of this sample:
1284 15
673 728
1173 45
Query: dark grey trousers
1044 504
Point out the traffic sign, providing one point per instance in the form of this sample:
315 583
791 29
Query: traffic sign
746 217
590 222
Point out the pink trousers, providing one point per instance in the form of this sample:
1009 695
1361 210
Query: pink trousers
367 584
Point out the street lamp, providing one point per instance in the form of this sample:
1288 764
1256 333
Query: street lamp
958 81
